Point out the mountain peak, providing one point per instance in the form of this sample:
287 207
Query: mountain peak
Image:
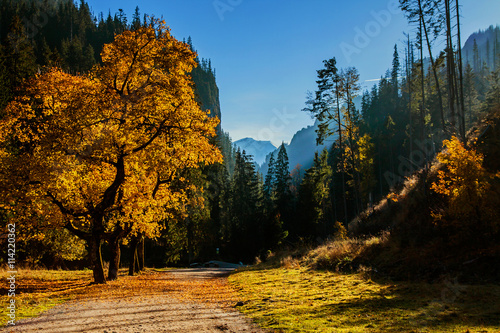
258 149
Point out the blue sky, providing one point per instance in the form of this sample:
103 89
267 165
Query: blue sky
266 52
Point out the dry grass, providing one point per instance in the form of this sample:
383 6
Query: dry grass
339 255
289 262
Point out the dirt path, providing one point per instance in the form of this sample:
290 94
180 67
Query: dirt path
165 313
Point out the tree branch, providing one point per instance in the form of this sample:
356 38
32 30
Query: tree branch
161 182
64 210
110 193
161 127
78 233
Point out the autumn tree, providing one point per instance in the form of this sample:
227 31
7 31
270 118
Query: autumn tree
468 189
98 153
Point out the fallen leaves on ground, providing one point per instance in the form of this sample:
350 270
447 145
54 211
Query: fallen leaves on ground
39 290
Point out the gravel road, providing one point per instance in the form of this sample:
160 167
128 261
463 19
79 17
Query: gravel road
141 314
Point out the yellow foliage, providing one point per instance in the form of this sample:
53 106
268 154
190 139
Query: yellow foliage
108 143
466 185
340 231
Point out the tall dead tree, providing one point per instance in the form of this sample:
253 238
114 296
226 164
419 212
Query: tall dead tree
460 75
450 68
423 13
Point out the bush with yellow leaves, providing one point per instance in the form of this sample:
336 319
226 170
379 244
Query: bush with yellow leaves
470 191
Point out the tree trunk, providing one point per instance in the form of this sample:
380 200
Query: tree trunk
140 253
461 75
96 258
137 268
114 262
450 68
337 94
409 66
434 71
422 72
133 256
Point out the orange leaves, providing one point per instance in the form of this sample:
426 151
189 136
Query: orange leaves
464 177
74 285
466 185
146 59
138 107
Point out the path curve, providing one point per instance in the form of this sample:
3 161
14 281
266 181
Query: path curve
141 314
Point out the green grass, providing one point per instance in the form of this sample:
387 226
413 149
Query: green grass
40 290
301 300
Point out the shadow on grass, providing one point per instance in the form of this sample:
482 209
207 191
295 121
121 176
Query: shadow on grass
334 300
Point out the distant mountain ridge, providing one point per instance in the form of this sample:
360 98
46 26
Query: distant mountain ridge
488 42
257 149
301 149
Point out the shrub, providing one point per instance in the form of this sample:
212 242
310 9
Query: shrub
472 203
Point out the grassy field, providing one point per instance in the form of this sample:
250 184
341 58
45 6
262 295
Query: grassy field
301 300
40 290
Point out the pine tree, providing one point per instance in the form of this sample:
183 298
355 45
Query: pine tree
470 94
492 101
476 57
424 13
282 180
20 59
269 182
351 88
396 67
488 52
245 230
325 106
136 19
315 204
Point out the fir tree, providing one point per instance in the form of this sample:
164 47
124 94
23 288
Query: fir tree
315 204
269 182
283 199
136 19
282 177
396 67
20 60
245 229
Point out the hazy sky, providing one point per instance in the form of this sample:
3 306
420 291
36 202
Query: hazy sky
266 52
